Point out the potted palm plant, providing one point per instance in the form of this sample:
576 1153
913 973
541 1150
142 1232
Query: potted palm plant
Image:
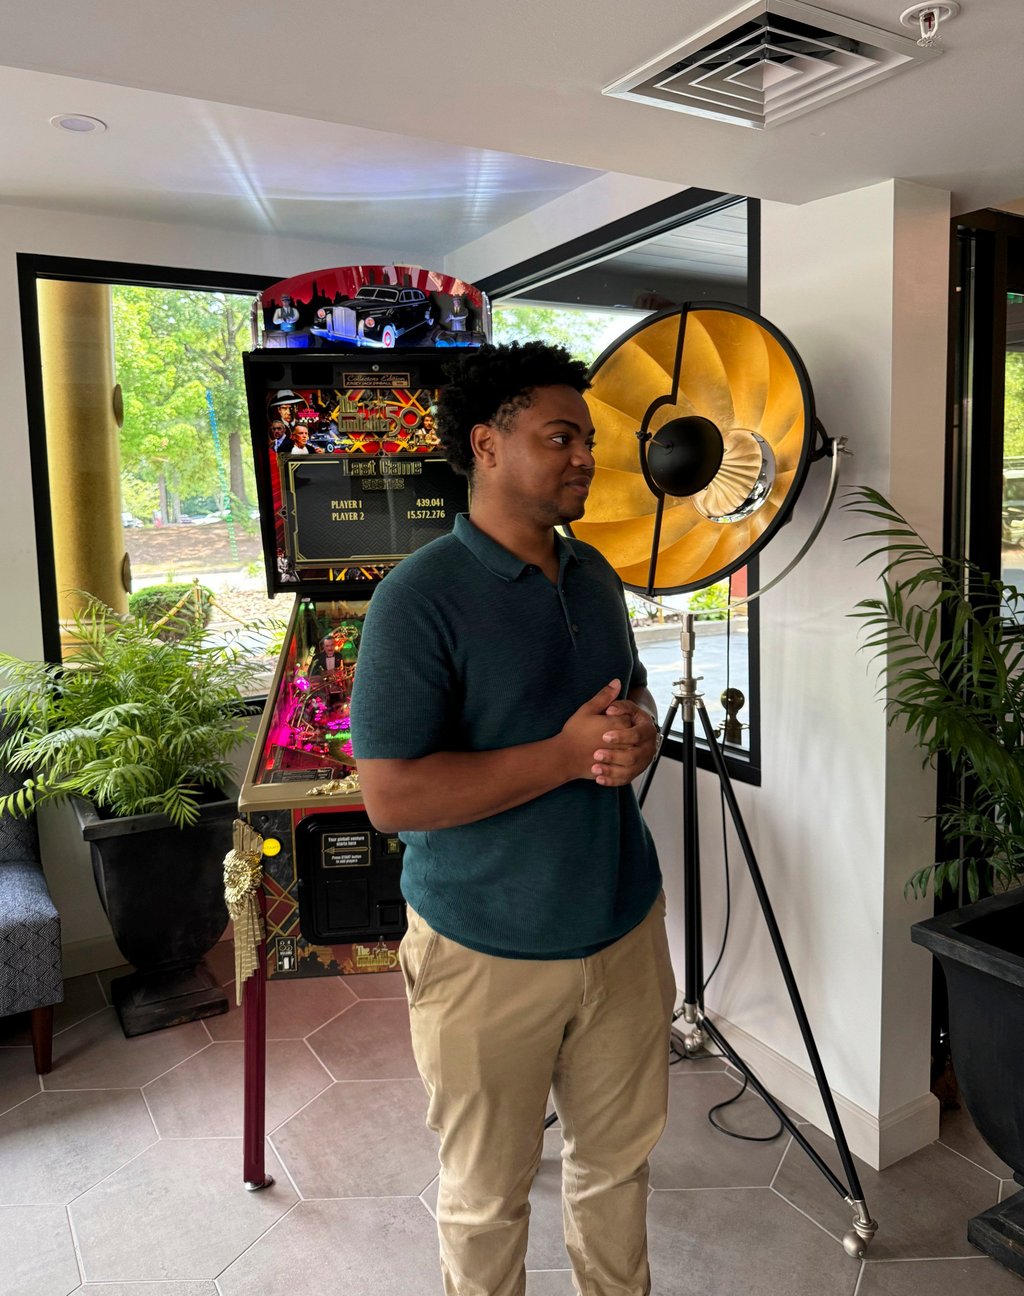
951 639
136 728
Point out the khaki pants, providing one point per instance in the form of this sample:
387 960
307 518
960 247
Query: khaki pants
493 1037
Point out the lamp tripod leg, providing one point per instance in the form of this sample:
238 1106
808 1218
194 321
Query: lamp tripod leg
864 1227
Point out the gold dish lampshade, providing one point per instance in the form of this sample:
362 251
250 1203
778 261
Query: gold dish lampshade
705 430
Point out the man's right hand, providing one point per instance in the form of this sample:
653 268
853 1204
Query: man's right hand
582 732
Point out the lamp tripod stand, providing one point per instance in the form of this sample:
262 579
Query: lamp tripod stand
690 701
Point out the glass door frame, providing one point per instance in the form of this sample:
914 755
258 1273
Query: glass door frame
984 246
31 268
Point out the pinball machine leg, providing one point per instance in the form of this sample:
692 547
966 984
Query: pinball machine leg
254 1027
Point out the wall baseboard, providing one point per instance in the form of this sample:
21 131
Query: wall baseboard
878 1140
94 954
98 953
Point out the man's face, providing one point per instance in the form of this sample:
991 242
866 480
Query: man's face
287 413
300 436
277 430
541 461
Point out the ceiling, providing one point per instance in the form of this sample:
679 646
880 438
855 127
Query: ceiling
713 247
424 127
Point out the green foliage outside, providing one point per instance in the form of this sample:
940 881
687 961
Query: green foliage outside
170 346
711 603
172 609
1013 419
133 723
583 333
952 673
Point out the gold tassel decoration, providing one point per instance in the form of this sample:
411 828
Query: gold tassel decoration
243 874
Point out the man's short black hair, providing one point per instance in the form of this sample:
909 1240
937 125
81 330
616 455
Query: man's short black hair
492 384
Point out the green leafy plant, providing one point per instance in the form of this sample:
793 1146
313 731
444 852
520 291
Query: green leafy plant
132 722
952 676
172 609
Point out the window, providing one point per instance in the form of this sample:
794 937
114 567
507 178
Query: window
583 296
178 476
986 483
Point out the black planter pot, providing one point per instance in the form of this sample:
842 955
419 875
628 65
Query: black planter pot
981 950
163 892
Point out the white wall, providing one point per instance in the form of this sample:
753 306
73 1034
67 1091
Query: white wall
858 283
86 933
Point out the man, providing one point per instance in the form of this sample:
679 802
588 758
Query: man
280 438
500 714
286 317
284 407
298 439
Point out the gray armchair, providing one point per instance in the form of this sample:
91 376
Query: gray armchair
30 967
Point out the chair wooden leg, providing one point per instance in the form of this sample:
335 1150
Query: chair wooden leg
42 1038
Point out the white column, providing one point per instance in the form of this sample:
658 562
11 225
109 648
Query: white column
858 283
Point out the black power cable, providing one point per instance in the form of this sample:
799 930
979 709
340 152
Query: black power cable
685 1057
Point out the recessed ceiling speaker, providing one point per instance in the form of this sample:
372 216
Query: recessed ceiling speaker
705 430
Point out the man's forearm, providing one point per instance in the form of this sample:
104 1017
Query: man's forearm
447 789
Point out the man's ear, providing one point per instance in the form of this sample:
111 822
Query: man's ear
481 440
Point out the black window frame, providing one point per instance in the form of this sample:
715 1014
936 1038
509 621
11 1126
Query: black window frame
598 245
31 268
979 276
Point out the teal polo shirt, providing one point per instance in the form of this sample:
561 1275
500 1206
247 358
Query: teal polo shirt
468 648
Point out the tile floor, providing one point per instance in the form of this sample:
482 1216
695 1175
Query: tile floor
121 1171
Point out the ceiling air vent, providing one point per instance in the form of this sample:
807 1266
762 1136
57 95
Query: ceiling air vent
768 62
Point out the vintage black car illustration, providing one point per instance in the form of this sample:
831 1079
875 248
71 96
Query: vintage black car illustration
377 317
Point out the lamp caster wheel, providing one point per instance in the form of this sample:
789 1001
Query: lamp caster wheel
854 1245
857 1241
693 1043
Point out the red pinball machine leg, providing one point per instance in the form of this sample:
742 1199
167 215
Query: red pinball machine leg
254 1027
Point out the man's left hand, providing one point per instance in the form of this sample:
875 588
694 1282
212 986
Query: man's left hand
625 753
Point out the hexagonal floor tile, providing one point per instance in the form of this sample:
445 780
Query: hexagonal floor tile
550 1282
377 985
361 1139
323 1247
203 1097
922 1204
958 1131
371 1041
546 1249
177 1212
95 1054
83 996
57 1145
18 1079
692 1154
938 1278
38 1251
741 1240
148 1289
294 1008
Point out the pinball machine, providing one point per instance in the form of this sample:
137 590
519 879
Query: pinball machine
341 386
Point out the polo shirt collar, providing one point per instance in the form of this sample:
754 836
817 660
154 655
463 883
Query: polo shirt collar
497 559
